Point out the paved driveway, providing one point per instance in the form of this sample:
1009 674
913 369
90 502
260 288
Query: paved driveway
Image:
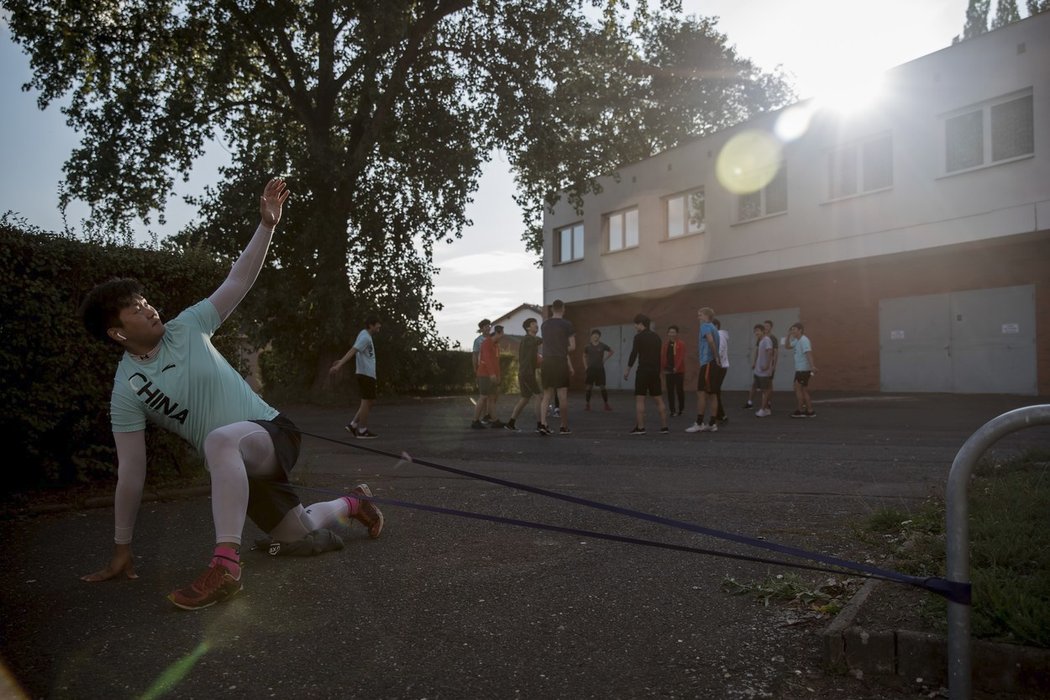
442 606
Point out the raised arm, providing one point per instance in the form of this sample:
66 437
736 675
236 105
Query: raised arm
245 271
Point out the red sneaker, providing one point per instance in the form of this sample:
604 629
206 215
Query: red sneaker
215 585
367 513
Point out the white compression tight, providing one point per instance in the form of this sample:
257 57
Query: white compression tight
240 450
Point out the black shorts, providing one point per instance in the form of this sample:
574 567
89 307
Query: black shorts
269 500
595 376
802 378
367 387
647 383
763 383
710 379
528 385
487 386
555 372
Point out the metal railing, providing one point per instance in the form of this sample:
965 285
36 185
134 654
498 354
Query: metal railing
958 535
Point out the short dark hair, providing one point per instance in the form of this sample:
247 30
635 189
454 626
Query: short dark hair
528 322
496 329
595 330
673 327
769 322
371 321
101 308
558 305
759 327
642 319
484 322
799 326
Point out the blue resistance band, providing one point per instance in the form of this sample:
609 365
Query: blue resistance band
955 591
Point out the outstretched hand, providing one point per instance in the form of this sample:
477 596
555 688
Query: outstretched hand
272 201
122 562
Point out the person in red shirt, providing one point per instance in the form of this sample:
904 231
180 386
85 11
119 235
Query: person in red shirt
672 366
488 374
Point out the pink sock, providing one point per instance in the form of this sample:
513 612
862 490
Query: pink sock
352 503
228 557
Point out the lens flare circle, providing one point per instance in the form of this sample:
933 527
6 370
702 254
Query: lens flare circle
748 161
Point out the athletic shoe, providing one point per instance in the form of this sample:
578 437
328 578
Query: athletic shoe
510 426
763 412
696 428
368 513
477 425
723 420
544 430
556 412
213 586
712 428
497 424
564 431
365 434
749 405
637 431
608 407
350 427
665 431
811 414
798 414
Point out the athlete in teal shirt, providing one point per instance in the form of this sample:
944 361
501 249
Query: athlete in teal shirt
173 376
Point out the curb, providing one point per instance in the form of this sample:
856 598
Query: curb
997 667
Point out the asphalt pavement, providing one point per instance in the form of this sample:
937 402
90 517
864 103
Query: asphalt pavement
443 606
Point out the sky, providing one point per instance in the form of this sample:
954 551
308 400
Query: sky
823 45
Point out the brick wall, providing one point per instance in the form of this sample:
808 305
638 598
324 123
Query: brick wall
839 303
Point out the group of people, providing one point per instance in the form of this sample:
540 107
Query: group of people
660 364
549 354
171 375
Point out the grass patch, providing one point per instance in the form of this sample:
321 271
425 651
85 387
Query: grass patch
826 597
1009 548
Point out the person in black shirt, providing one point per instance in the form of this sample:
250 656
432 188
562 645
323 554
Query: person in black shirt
646 350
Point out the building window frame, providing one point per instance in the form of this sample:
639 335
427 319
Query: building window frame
860 167
569 243
622 230
680 214
771 200
979 136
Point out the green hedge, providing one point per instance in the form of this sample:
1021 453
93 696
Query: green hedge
56 380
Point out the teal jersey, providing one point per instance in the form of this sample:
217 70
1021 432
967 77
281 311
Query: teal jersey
188 387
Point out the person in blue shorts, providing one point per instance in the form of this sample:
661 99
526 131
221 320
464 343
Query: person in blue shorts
171 375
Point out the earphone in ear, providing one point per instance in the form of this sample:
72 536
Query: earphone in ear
122 336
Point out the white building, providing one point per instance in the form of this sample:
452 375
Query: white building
912 239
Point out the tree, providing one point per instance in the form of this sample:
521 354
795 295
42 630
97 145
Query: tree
976 20
379 114
1005 13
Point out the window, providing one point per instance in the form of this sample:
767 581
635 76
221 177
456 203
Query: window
864 166
771 199
623 229
999 131
685 214
570 243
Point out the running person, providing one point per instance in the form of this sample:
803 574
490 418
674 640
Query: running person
173 376
595 355
365 350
